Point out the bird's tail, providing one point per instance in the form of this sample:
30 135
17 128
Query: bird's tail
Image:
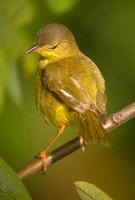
92 130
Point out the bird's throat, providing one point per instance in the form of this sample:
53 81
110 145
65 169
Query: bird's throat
47 58
47 54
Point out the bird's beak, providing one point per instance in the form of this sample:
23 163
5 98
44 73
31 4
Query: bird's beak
32 49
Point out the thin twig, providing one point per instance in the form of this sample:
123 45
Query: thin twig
112 122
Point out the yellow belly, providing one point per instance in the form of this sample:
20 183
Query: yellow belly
52 109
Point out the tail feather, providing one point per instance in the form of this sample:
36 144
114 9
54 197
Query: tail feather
92 130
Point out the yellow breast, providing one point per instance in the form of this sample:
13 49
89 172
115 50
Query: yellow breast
50 107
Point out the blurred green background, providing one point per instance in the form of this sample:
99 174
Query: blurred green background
105 31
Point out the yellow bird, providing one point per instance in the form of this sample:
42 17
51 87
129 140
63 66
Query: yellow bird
69 86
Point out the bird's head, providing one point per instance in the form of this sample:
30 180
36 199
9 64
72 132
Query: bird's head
54 40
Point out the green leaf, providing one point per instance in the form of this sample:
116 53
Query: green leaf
5 196
11 188
88 191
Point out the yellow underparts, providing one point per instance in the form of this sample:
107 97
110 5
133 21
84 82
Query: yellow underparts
48 54
49 57
61 115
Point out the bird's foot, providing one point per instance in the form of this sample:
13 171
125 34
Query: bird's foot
115 119
42 156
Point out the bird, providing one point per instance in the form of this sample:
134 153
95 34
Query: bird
69 87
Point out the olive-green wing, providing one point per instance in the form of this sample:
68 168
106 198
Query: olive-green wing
69 89
78 83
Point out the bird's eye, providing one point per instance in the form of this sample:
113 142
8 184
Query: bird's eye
53 47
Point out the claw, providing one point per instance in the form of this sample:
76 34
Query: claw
42 156
83 148
82 143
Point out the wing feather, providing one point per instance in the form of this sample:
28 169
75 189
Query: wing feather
75 83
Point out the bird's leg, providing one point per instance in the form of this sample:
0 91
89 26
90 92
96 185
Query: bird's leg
43 154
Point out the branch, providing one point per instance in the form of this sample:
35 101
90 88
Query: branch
117 119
